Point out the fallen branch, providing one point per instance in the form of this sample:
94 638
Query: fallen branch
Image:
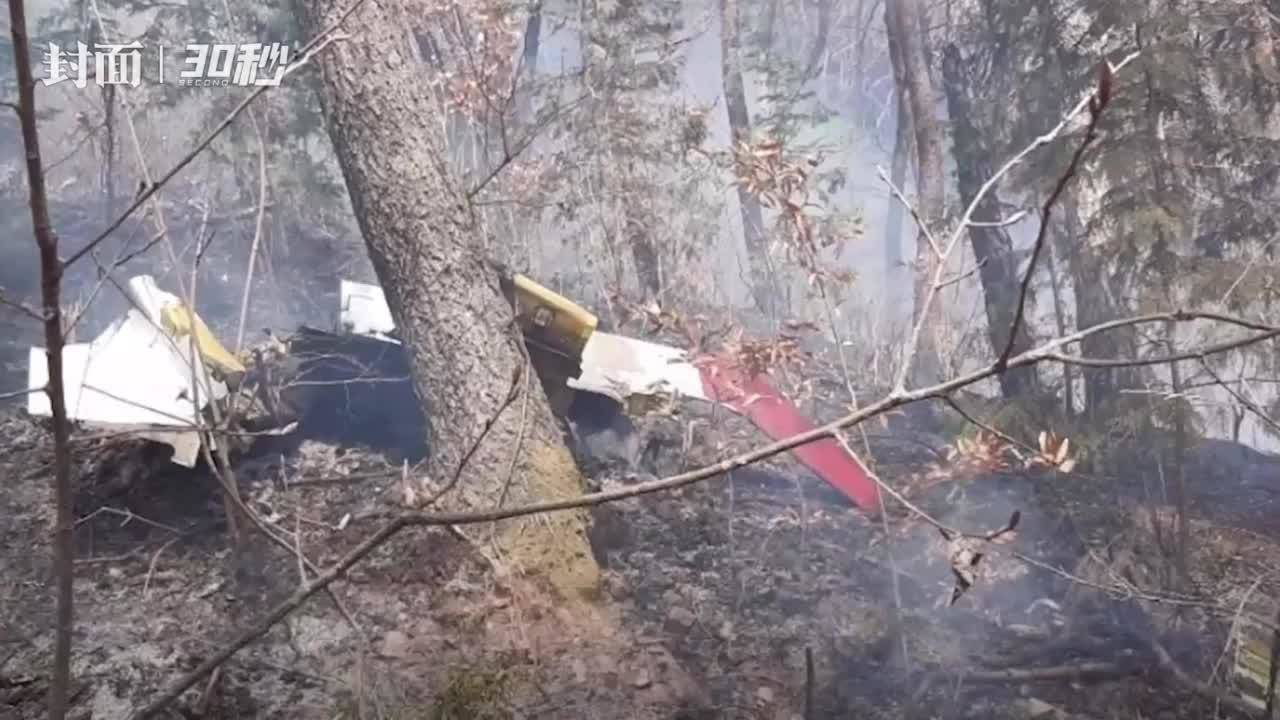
1202 689
1096 669
1072 671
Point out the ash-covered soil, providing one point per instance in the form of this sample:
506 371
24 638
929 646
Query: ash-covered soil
715 594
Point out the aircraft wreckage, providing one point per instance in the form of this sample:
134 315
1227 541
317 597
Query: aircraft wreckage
155 371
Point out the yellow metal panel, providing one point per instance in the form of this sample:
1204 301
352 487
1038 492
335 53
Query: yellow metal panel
178 322
552 318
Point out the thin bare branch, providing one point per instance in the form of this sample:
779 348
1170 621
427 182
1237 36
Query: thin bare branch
967 218
1053 134
969 418
257 231
1175 316
22 308
20 393
1249 404
915 214
1215 349
961 277
1167 662
1097 104
310 50
1013 219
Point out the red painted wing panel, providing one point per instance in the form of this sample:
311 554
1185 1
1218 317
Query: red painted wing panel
779 419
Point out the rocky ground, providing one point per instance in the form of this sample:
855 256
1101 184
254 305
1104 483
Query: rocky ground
750 596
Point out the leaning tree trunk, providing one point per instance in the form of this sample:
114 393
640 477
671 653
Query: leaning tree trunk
467 361
992 246
903 21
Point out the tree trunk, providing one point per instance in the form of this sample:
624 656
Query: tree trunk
466 357
524 92
1060 317
735 97
903 23
992 247
893 296
820 42
51 272
1095 304
109 151
1096 301
533 38
610 81
766 33
645 256
1182 538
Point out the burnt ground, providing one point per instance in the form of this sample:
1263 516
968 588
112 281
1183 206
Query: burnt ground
714 594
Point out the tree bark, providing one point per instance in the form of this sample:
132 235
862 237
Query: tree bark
645 256
533 38
617 95
903 23
468 362
1095 301
992 246
820 41
1095 304
1060 318
527 86
894 295
735 97
766 33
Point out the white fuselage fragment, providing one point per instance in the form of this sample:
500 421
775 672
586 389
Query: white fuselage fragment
133 377
612 365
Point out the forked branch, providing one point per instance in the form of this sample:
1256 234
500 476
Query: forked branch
1097 103
1089 102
